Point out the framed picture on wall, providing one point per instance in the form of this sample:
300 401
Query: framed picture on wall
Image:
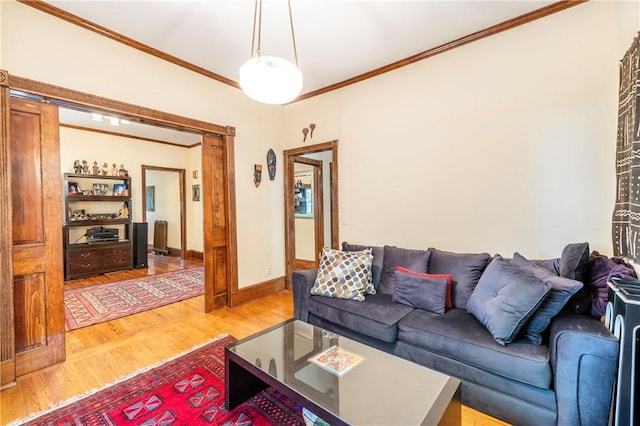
150 192
195 190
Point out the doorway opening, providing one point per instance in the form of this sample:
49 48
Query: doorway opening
321 160
162 187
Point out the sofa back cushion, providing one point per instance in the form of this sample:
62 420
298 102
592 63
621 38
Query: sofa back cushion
415 260
465 269
505 298
378 258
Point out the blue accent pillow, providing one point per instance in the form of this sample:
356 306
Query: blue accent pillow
505 298
561 291
416 260
420 291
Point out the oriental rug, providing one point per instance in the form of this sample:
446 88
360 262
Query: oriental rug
187 390
99 303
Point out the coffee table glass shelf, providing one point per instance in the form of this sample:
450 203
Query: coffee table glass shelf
360 385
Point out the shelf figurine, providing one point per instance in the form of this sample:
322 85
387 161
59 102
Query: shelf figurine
122 171
96 168
85 167
114 170
124 212
77 167
105 169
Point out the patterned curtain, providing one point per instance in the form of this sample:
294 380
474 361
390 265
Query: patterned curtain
626 214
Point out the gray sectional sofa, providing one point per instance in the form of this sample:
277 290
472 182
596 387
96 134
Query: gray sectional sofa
566 379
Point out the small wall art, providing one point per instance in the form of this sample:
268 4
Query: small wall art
257 174
150 192
195 192
271 164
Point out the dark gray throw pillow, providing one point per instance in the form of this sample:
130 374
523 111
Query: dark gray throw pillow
465 269
415 260
561 291
505 298
420 291
573 265
378 259
574 261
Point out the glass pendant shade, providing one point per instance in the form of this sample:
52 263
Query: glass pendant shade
270 79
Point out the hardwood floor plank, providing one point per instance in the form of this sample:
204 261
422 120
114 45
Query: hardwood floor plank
103 353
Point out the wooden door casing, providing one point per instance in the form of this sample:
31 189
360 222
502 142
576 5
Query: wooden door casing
37 259
220 254
7 339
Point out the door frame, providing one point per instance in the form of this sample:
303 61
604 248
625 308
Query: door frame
183 206
289 208
68 98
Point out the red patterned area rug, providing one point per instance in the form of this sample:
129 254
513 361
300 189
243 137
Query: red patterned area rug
188 390
99 303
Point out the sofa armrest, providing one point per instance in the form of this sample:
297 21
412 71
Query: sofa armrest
302 283
584 357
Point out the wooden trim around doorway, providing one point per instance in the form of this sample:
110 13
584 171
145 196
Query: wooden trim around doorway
289 215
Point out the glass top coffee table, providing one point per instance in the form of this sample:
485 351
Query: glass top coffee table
338 379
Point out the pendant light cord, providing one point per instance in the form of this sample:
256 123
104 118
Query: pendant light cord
293 36
257 19
256 10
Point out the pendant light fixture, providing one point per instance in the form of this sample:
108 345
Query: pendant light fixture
270 79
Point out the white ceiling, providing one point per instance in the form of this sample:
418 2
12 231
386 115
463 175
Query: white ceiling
336 39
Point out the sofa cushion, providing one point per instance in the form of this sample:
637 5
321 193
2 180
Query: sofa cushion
378 259
458 335
447 277
505 298
561 291
415 260
345 275
465 270
376 317
420 291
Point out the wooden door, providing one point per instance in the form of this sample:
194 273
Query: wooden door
220 256
36 206
7 342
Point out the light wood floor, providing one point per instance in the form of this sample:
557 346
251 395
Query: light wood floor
102 353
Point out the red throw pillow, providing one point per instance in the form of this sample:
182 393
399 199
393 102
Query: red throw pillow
447 277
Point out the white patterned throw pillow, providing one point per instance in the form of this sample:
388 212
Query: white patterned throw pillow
345 275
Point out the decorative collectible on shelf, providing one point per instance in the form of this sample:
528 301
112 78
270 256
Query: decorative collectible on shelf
83 168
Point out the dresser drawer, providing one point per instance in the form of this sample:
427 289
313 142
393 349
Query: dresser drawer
121 257
84 255
84 261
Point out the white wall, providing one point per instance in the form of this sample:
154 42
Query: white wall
505 144
43 48
195 219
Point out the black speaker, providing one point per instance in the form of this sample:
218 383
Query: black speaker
623 319
140 259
